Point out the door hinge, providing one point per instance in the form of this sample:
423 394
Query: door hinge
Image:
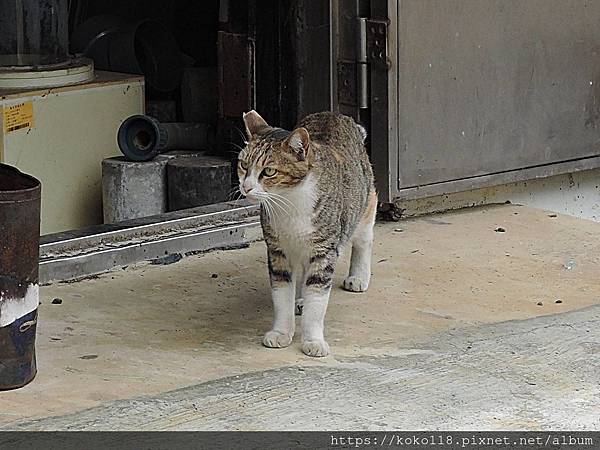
376 43
371 51
362 69
347 79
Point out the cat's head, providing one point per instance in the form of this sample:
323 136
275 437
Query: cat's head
273 159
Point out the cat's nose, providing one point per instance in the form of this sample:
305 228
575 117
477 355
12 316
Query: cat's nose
248 187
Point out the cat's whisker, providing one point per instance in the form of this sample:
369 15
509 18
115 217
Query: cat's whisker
261 201
272 206
233 144
234 192
268 208
263 208
274 194
276 202
242 135
267 196
239 196
285 201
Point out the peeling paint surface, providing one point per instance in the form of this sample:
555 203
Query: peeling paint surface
12 309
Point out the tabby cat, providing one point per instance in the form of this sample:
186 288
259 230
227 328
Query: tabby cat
315 188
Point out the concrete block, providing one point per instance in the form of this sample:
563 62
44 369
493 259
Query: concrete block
133 189
197 181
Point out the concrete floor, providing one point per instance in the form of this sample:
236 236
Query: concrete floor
450 335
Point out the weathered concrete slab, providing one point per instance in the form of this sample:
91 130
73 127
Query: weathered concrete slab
535 374
146 332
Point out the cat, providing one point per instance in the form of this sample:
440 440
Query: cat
316 191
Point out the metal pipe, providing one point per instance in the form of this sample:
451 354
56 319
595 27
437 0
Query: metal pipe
142 138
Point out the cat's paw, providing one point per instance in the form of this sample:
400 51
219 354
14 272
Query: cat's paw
315 348
355 284
299 306
276 339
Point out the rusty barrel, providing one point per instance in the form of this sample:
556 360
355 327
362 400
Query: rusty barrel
19 292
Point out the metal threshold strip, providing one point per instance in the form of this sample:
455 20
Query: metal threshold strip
80 253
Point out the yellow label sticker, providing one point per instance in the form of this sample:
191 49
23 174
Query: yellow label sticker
18 116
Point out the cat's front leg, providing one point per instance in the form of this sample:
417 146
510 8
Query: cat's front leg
283 293
317 288
300 287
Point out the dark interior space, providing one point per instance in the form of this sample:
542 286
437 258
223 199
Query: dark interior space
194 24
189 71
233 57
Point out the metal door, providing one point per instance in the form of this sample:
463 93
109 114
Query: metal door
473 93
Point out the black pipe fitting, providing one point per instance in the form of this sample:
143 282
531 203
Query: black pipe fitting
142 138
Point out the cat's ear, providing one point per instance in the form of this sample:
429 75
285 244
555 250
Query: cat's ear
299 142
254 123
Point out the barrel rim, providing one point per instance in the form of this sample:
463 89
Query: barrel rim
31 193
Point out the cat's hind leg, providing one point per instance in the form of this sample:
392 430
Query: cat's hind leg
283 294
362 248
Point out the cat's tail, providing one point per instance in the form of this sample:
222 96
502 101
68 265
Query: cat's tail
363 132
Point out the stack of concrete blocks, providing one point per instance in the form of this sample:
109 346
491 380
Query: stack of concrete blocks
174 180
169 182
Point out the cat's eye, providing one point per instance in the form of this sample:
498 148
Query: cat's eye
243 165
269 171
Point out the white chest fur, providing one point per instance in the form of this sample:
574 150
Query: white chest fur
292 223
